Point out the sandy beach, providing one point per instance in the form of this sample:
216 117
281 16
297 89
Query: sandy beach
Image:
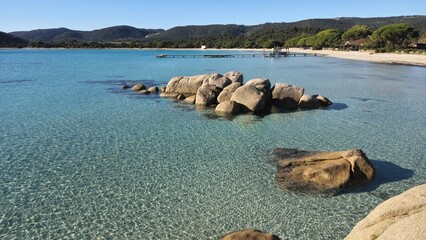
390 58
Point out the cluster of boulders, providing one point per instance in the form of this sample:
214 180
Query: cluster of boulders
230 95
321 172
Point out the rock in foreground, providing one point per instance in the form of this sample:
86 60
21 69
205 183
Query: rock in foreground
400 217
249 234
322 172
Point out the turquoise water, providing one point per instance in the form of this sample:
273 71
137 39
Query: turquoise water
82 159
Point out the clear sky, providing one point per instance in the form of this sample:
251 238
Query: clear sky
19 15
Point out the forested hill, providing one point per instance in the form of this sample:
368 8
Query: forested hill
218 36
7 40
287 29
110 34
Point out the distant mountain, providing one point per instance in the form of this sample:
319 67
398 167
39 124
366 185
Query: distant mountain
110 34
256 33
8 40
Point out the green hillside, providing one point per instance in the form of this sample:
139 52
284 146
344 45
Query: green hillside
7 40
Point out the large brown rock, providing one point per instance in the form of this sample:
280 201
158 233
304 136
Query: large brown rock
227 92
322 172
250 98
400 217
249 234
207 94
235 76
286 96
187 85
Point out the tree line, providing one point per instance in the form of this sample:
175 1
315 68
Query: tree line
385 39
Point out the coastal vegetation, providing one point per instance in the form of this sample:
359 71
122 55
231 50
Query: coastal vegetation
380 34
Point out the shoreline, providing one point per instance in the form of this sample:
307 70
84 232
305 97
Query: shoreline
370 56
387 58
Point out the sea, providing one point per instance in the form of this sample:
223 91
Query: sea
81 158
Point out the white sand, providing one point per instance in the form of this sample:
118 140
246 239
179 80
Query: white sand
392 58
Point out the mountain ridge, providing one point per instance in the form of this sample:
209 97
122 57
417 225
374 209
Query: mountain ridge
282 30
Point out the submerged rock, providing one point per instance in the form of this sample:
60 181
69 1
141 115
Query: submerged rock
228 107
169 95
146 92
249 234
190 99
400 217
322 172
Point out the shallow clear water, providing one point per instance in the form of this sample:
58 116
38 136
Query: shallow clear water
81 158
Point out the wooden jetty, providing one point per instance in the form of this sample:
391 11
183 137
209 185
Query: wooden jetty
244 55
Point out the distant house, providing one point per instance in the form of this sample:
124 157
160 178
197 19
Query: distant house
356 43
203 47
419 45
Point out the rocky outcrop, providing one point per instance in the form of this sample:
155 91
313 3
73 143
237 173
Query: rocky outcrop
249 234
322 172
254 96
400 217
286 96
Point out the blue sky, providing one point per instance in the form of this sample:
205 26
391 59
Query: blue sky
94 14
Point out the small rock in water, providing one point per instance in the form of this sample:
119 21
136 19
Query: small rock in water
125 87
138 87
249 234
146 92
153 89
